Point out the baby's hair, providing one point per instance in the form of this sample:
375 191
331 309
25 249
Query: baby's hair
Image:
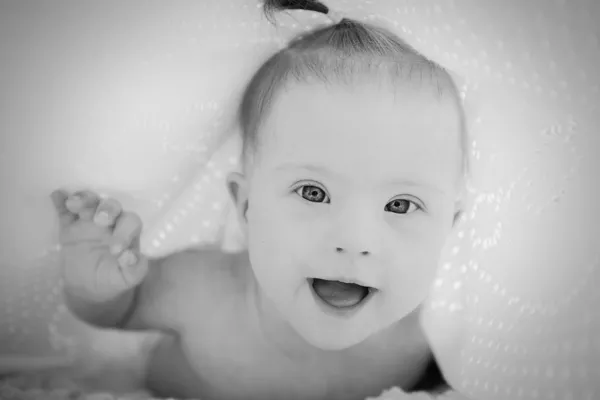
270 7
341 52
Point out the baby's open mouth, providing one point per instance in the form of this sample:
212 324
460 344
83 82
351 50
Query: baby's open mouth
340 295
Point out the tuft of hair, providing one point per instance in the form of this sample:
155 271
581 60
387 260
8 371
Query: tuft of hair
270 7
344 53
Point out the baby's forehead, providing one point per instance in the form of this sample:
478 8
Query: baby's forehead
348 96
345 127
369 131
345 114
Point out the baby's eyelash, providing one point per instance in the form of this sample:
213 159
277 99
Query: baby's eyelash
299 188
417 204
300 184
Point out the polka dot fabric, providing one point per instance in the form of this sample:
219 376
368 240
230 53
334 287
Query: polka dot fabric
136 100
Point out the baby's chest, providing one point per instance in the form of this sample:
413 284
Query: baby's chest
233 367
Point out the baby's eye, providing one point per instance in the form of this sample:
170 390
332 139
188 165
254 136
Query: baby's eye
402 206
313 194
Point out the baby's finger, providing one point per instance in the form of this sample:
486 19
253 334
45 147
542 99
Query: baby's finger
83 204
133 267
127 230
107 212
59 198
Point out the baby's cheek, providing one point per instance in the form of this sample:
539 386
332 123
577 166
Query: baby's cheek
269 236
414 270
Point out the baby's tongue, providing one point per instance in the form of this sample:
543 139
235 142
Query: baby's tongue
339 294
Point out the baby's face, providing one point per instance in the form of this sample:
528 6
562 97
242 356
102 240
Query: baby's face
351 197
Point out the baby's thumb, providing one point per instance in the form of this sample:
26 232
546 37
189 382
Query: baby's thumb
59 200
133 267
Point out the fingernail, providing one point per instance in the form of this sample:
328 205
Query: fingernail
127 259
74 201
102 218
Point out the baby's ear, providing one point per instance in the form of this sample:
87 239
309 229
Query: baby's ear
460 205
238 189
463 202
457 215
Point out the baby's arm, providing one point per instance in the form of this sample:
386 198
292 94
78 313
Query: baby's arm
139 308
172 293
108 282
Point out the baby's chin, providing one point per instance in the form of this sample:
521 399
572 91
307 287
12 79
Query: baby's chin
337 330
336 336
333 341
331 335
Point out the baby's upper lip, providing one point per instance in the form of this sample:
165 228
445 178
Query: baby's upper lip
346 280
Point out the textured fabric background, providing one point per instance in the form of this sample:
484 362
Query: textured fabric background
134 99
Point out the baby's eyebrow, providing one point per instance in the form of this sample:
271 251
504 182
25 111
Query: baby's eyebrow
410 183
308 167
406 182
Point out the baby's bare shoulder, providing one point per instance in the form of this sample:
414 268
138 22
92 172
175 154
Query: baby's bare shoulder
186 281
195 268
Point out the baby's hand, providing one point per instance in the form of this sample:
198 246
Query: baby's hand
100 246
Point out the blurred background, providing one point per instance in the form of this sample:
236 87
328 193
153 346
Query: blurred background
135 99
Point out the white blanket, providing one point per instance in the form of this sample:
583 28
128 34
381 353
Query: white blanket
134 99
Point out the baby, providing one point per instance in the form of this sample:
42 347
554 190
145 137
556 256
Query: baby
352 179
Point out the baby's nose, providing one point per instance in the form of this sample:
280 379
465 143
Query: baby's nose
361 253
357 244
356 232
